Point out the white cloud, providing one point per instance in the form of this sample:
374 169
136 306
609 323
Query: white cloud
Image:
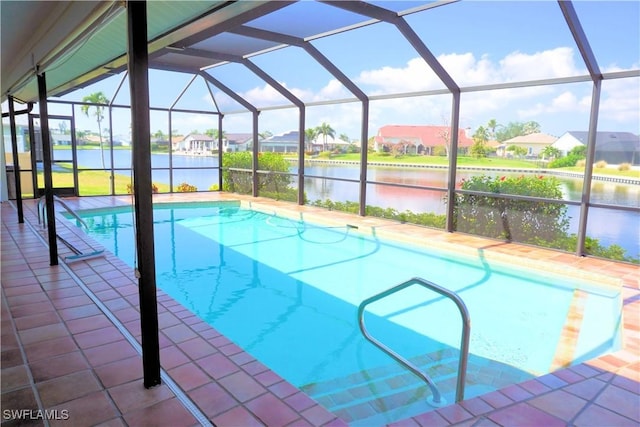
555 106
620 102
332 90
558 62
416 76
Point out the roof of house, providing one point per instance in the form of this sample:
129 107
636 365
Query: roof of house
610 141
238 138
290 136
532 138
426 134
198 137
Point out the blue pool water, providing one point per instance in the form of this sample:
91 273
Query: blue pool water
287 292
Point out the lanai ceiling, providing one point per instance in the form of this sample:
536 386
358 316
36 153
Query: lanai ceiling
77 43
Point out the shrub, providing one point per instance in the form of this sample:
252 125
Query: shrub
567 161
273 179
237 181
427 219
591 247
439 150
518 220
601 164
579 150
154 189
214 187
186 188
581 163
624 167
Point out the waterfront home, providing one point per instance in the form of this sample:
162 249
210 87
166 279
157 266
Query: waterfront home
236 142
286 142
419 139
196 143
534 143
611 147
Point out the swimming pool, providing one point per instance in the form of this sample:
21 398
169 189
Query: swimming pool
287 292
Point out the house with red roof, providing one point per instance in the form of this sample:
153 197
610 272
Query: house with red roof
419 139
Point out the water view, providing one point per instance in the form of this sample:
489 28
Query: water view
609 226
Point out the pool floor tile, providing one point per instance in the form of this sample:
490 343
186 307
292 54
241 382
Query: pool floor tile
69 387
454 413
133 396
58 366
624 402
476 406
242 386
218 366
50 348
120 372
560 404
88 410
111 352
14 377
237 416
272 411
197 348
212 399
189 376
597 416
524 415
168 412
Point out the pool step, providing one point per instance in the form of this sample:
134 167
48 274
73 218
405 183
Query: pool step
383 389
365 396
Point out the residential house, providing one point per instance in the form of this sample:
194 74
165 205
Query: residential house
534 143
176 142
61 139
286 142
330 144
419 139
196 143
612 147
234 142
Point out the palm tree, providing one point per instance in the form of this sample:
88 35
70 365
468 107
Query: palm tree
99 100
309 136
325 130
491 127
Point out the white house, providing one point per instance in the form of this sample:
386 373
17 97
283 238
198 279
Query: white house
566 143
534 143
611 147
196 143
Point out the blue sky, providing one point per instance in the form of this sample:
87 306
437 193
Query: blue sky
477 42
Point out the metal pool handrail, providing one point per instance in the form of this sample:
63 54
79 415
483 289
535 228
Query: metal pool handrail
464 342
64 205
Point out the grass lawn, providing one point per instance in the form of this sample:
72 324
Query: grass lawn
94 183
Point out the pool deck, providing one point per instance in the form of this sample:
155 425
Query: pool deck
70 341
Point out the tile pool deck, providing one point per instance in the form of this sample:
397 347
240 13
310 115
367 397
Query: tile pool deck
63 352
